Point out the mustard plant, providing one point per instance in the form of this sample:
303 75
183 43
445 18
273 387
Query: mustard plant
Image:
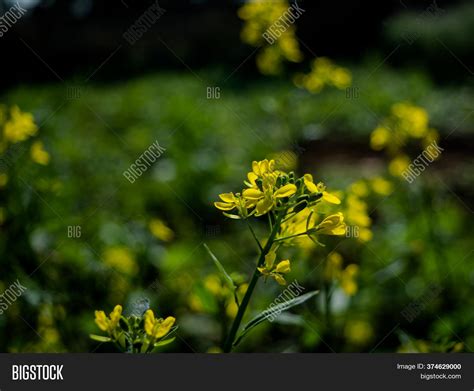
134 334
291 204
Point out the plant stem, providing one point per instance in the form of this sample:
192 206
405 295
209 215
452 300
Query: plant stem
253 282
291 236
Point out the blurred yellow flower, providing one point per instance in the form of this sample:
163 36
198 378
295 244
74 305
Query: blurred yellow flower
348 279
20 126
398 165
259 16
160 230
324 73
345 277
38 154
381 186
121 259
359 332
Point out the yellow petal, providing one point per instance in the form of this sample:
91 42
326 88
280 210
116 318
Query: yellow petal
285 191
165 327
252 194
149 318
331 198
279 278
264 206
101 320
310 185
227 197
270 259
224 206
283 267
252 177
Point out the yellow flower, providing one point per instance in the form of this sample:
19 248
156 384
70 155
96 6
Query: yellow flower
38 154
320 188
379 138
157 328
110 323
275 272
348 279
333 267
398 165
382 186
160 230
121 259
20 126
324 72
359 188
358 332
332 225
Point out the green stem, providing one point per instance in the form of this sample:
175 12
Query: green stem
253 282
291 236
254 236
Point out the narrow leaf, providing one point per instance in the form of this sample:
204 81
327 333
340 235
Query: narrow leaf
164 342
274 312
227 278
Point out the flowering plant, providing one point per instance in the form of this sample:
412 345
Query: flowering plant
134 334
291 205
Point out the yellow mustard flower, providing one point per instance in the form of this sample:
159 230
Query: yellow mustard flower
398 165
259 16
332 225
382 186
275 271
157 328
333 268
359 332
320 188
348 279
324 73
160 230
345 277
108 324
120 258
20 126
38 153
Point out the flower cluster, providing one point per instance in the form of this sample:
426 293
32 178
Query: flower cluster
134 334
324 73
405 123
295 206
275 271
259 16
17 126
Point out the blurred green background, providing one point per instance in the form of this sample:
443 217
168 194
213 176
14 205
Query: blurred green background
145 239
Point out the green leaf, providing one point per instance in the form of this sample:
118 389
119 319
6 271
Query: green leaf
164 342
228 279
100 338
274 312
